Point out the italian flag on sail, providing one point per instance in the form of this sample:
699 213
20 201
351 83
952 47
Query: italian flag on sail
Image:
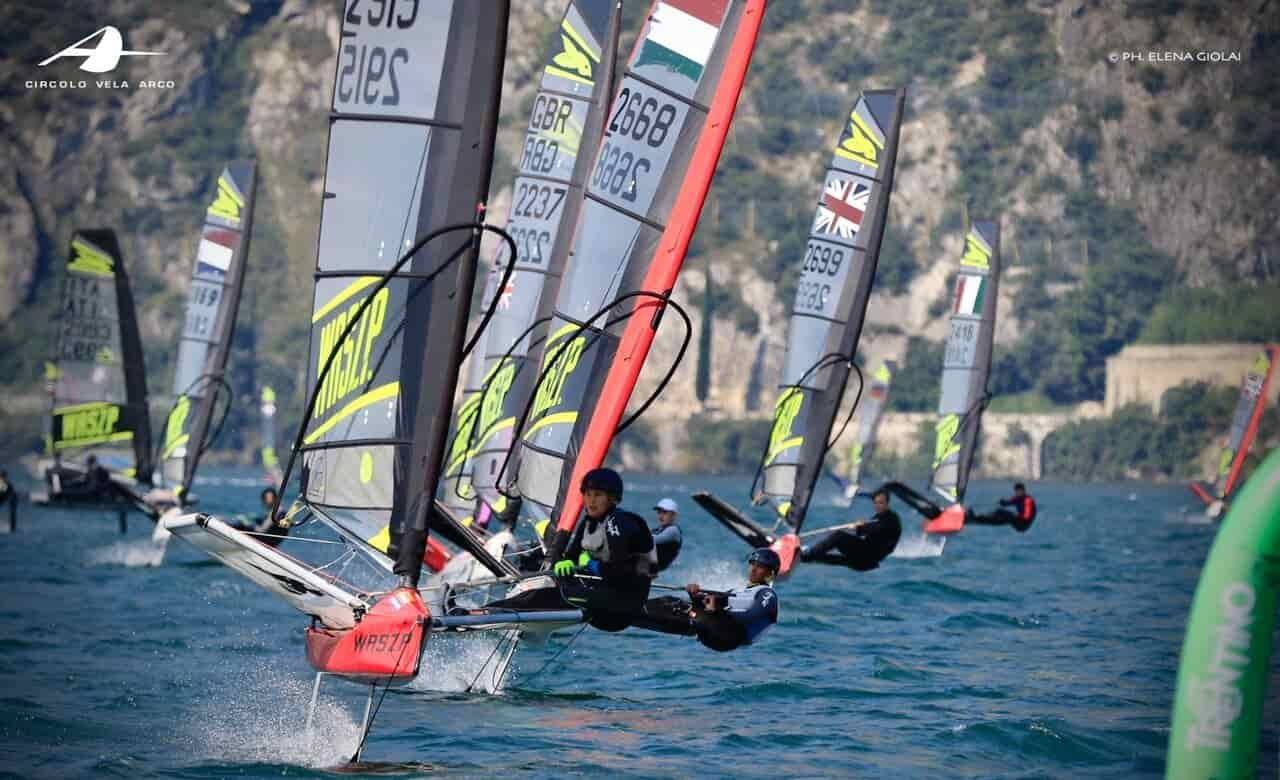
969 293
681 35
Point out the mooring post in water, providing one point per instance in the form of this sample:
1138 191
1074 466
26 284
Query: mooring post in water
1217 713
124 521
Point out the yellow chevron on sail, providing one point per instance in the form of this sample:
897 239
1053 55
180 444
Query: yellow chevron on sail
228 203
976 252
945 445
389 390
784 416
575 60
862 145
89 260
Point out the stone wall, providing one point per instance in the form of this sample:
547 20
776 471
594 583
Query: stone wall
1143 373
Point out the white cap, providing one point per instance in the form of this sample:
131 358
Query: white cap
667 505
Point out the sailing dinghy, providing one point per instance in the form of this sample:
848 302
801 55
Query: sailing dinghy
414 112
835 278
869 413
97 387
965 368
1244 427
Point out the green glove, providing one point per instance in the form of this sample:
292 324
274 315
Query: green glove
563 568
584 560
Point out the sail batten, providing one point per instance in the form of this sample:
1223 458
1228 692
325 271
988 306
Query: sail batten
835 277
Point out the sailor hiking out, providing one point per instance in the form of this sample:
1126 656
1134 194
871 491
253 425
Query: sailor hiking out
1022 515
606 570
721 620
863 546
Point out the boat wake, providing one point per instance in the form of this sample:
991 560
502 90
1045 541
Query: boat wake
131 554
474 663
920 546
267 727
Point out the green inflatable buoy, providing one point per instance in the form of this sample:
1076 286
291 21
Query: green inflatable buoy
1217 713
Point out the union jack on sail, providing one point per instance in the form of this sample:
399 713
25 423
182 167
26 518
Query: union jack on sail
844 201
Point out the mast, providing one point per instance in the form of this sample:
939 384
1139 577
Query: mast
662 139
99 382
834 286
966 360
562 135
217 281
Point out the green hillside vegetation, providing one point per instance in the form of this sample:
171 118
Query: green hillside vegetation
1136 442
1236 312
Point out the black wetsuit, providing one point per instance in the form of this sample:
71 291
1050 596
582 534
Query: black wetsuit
1020 518
619 545
666 543
9 496
739 620
93 485
861 549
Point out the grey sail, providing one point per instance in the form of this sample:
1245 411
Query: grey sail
217 279
410 147
834 285
97 377
967 360
872 406
561 138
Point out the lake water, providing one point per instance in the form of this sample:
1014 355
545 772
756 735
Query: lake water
1046 654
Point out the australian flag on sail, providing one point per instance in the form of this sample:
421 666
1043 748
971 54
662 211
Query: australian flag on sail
844 201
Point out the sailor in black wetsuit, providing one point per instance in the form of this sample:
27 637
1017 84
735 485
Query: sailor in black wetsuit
1021 518
605 571
862 547
94 485
667 538
8 495
722 621
265 529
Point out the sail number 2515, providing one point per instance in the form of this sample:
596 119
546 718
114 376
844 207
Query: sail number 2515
367 74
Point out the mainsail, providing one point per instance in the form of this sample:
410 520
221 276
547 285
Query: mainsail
99 383
872 407
563 133
967 361
835 277
267 435
1244 425
216 283
414 111
661 142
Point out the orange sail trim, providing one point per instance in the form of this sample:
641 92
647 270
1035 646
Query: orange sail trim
1273 353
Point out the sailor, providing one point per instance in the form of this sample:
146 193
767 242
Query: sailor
1021 517
722 621
269 529
666 535
95 483
606 569
610 544
9 496
863 546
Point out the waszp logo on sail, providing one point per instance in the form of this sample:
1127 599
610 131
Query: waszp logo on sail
102 58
